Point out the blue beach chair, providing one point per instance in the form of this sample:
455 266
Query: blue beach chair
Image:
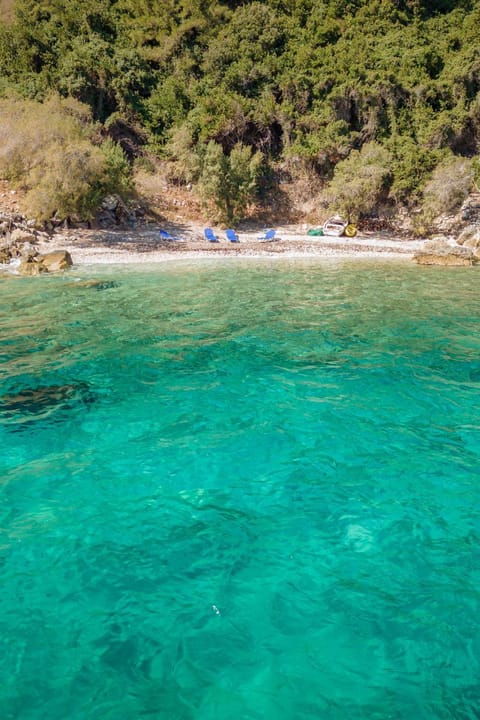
167 236
232 235
268 235
210 235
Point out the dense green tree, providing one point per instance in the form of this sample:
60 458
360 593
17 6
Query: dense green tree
229 182
360 181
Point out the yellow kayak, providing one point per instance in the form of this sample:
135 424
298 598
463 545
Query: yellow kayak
350 230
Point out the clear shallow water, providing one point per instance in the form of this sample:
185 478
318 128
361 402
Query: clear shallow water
240 490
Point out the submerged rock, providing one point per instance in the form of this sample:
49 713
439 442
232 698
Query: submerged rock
98 285
56 261
106 285
40 400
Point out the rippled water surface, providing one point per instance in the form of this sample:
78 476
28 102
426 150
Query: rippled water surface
240 489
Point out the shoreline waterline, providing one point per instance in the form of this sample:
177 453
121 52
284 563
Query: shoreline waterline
156 258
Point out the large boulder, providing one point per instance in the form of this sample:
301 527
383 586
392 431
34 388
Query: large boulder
110 202
55 261
444 251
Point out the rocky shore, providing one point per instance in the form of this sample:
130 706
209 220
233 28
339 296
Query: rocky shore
20 246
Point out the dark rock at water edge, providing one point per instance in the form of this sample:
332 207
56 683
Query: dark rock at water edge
19 240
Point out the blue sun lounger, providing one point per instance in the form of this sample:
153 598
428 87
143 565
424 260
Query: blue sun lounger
232 235
268 235
210 235
167 236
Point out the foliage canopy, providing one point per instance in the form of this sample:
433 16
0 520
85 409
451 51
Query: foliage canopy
313 80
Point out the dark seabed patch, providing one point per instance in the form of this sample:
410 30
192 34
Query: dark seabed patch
98 285
41 401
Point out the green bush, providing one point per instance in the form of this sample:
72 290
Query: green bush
228 183
411 165
117 173
166 105
360 181
184 156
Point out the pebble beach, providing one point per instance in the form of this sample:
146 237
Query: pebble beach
144 245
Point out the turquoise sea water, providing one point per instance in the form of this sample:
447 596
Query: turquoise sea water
240 489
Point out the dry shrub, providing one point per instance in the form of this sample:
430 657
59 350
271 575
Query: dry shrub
66 183
448 187
151 181
7 10
29 128
46 148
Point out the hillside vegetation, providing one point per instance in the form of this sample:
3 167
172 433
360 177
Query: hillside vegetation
372 104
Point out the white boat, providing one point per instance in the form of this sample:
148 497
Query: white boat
334 226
